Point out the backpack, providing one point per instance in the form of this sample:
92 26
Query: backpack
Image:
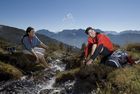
119 58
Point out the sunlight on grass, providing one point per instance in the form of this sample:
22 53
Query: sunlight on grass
10 70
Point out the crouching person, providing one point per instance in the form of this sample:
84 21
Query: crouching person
33 46
99 45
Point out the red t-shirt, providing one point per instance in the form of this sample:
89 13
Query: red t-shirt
99 39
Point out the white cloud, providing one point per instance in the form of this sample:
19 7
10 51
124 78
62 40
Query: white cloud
68 22
68 17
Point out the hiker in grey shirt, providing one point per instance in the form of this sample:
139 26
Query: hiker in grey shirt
31 46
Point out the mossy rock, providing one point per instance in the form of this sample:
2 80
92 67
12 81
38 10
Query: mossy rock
9 72
72 62
89 76
62 77
96 71
26 63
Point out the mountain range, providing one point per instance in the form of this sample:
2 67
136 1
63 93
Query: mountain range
14 35
77 37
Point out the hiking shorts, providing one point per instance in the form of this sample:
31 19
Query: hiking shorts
37 50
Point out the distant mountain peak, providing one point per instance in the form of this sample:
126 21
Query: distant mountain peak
111 32
76 37
130 32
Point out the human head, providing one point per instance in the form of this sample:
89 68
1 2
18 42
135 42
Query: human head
90 31
30 32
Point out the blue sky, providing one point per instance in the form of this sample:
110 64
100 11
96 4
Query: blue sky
56 15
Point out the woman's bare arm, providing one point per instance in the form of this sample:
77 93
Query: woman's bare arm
42 45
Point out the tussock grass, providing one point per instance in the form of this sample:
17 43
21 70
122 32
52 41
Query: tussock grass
8 71
133 47
66 75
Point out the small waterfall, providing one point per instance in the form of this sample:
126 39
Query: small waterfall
44 85
56 65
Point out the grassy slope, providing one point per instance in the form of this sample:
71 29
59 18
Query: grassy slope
106 80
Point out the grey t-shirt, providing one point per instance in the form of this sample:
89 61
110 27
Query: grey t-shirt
28 43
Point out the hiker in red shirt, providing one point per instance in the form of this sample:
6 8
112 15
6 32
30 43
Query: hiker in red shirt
98 44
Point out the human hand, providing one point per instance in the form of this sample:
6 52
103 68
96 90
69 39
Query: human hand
89 62
83 62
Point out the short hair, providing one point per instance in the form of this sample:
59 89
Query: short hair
87 29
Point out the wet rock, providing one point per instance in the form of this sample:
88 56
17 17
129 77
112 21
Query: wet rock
40 82
69 86
19 87
50 91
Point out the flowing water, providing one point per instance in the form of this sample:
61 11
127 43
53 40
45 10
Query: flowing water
43 84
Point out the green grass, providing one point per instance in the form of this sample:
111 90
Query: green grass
133 47
134 54
121 81
127 79
9 71
66 75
